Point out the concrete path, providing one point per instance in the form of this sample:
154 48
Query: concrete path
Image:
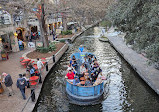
13 67
139 63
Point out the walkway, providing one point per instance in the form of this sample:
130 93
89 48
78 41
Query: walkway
13 67
139 63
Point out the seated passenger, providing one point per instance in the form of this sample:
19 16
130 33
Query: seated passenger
94 58
85 62
82 69
94 76
94 68
70 75
86 75
73 58
98 81
72 68
89 59
97 64
99 70
76 81
74 62
88 82
70 61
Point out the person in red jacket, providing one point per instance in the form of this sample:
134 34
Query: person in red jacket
70 75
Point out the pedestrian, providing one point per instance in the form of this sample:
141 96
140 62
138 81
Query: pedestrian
53 34
39 65
21 44
7 80
22 84
32 70
27 79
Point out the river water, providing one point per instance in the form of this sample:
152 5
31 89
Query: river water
125 91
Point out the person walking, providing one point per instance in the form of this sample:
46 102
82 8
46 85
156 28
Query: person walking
53 34
22 84
39 65
7 80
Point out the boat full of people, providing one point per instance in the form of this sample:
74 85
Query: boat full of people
84 79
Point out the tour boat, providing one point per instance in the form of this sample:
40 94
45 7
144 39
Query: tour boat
83 95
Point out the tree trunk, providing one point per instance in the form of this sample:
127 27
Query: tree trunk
64 23
44 37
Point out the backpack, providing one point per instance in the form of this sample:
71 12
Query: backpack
21 82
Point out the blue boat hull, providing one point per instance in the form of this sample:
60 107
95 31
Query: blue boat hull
82 95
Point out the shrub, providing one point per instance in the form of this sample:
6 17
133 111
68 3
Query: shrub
106 23
62 41
51 48
67 32
42 49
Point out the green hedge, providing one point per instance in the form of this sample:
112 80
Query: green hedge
42 49
62 41
106 23
67 32
52 47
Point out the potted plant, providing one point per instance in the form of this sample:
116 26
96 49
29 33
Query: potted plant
4 55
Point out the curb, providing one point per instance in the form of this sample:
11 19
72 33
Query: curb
103 39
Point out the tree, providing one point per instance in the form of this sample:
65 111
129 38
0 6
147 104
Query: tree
139 20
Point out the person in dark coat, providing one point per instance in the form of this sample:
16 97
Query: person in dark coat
22 84
8 83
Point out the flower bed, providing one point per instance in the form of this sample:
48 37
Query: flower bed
35 54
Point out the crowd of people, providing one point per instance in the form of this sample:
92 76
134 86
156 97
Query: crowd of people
23 81
90 74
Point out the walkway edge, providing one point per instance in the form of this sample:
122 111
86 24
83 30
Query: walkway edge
148 73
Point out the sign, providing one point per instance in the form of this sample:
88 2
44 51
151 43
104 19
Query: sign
31 44
58 31
39 44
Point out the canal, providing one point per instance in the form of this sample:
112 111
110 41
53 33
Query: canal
125 91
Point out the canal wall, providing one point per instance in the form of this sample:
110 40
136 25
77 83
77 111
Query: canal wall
137 61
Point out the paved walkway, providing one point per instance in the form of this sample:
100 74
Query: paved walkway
139 63
12 67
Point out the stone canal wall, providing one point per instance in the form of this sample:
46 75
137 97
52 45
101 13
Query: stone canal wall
138 62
